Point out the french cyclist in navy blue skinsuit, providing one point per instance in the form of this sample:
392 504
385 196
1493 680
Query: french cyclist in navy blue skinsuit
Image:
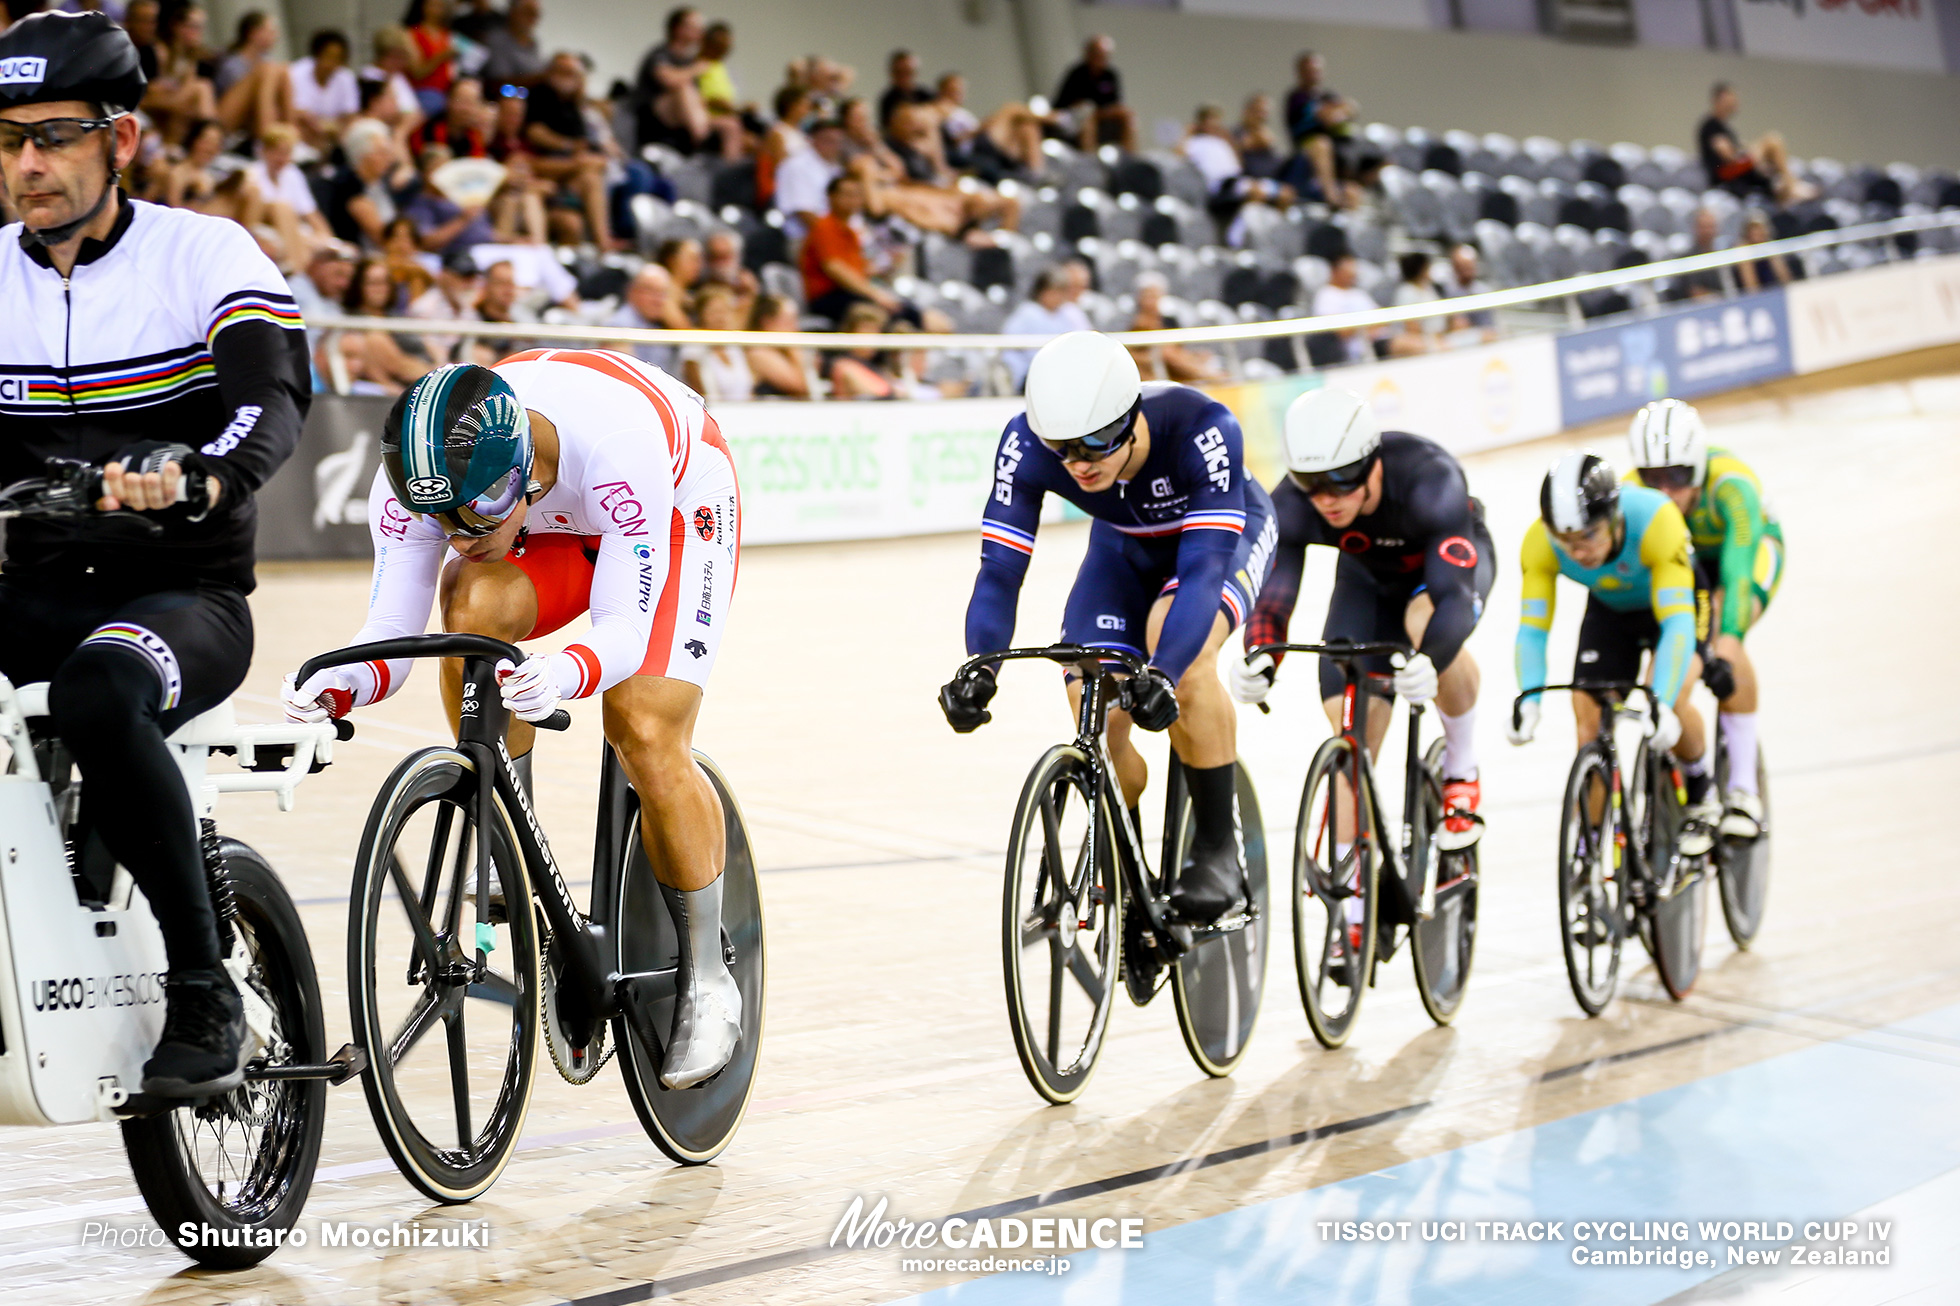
1181 542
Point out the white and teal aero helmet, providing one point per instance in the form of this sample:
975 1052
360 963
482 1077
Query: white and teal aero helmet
1669 433
457 446
1083 389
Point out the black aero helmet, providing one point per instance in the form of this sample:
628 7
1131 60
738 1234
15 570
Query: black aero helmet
56 56
1580 491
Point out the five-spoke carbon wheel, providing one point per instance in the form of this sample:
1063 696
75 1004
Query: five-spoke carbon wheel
1062 926
1591 881
1334 904
447 1010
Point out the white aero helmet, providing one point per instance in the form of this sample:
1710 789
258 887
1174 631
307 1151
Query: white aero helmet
1083 389
1669 433
1328 429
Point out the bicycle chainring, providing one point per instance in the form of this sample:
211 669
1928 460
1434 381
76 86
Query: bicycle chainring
576 1064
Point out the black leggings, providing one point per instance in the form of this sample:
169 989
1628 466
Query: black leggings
124 670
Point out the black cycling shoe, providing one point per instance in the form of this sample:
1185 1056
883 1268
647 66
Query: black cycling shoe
203 1049
1210 886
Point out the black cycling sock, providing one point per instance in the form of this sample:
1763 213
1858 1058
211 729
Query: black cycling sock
104 702
1211 803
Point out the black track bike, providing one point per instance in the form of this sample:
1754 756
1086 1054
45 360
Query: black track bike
465 951
1621 870
1083 913
1359 890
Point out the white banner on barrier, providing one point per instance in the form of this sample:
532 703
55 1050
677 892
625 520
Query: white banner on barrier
858 471
1465 399
1881 33
1854 316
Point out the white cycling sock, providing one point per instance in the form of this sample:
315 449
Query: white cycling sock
1739 733
1694 766
1459 744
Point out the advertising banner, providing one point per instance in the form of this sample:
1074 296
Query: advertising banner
1874 33
316 505
860 471
1465 399
1884 310
829 471
1610 370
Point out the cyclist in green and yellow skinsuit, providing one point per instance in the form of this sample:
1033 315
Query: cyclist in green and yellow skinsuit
1738 549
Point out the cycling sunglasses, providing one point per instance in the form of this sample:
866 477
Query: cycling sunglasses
1667 478
487 512
1338 480
1098 444
49 134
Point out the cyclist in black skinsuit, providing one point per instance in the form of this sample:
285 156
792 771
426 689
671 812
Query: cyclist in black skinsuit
133 333
1416 564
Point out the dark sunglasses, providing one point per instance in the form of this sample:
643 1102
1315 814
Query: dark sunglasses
49 134
1338 480
1098 444
1667 478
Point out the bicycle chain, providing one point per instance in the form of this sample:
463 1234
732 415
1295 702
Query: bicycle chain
553 1034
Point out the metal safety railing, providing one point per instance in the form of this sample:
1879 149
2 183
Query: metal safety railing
1567 289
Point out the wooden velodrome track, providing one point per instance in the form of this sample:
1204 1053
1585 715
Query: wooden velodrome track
887 1067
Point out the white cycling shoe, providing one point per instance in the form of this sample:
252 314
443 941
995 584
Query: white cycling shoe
1698 833
707 1030
1744 819
708 1006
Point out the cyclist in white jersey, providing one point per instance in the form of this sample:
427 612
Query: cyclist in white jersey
563 480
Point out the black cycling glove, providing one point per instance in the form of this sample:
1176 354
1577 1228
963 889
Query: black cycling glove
964 700
1153 700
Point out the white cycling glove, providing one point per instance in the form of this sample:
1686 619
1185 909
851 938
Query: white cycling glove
1666 731
1527 726
326 696
1251 680
1415 679
531 690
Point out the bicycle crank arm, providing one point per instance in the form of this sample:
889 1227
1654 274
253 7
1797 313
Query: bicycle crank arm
636 993
336 1070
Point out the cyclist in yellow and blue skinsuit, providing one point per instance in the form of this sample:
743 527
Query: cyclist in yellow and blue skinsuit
1630 548
1738 547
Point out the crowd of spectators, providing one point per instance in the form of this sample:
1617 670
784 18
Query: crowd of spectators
456 169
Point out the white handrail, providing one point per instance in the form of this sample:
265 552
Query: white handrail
1277 329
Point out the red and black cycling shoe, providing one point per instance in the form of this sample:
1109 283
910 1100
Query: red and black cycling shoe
1461 825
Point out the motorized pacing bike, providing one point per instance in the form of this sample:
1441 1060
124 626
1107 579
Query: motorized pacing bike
1083 913
82 965
466 951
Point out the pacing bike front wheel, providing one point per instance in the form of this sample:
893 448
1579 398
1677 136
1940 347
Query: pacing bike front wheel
1061 925
241 1164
